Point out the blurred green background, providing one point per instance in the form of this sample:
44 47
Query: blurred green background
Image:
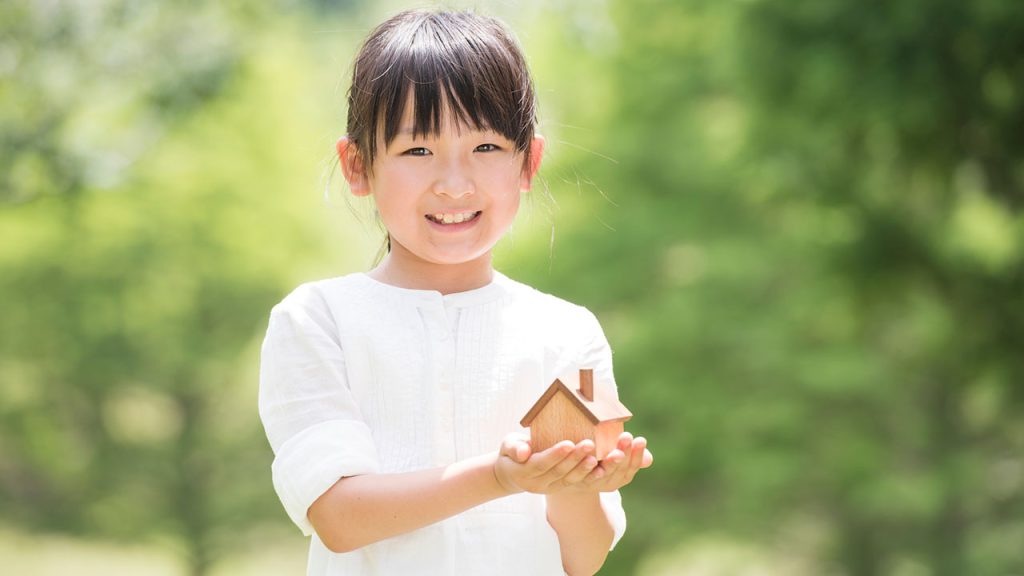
801 223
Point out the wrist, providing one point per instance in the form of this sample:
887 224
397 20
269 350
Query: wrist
505 484
574 499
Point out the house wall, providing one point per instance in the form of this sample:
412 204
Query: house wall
559 420
606 435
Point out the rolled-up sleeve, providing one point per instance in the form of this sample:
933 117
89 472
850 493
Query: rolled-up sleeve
314 426
596 353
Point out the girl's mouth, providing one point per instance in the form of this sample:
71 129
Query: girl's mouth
453 217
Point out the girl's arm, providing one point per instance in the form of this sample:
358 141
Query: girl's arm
584 531
584 528
361 510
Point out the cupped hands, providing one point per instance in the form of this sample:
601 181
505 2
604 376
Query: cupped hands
568 465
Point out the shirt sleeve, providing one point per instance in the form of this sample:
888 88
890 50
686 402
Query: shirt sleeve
314 426
596 353
612 504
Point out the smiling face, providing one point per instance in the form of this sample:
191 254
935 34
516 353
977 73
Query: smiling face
441 116
445 198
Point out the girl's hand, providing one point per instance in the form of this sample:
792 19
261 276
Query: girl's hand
569 466
619 466
565 464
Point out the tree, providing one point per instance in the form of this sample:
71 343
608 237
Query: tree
902 119
157 179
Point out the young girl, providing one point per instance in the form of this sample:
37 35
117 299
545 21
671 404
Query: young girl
392 398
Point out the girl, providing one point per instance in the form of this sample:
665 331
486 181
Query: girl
392 398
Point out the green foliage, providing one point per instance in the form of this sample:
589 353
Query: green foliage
134 303
86 89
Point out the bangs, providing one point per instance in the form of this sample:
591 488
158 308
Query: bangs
440 67
438 95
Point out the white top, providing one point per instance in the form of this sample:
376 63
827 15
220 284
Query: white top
361 377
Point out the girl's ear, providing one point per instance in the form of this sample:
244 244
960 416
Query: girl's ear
352 167
536 153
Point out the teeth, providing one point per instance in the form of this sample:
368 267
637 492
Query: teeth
452 218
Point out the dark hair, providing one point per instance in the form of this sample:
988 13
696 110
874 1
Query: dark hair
461 63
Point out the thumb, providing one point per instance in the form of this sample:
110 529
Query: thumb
516 447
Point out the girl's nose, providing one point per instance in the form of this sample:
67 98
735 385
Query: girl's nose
454 182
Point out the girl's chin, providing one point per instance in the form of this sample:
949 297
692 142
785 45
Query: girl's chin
443 256
460 259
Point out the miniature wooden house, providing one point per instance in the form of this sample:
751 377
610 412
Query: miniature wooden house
566 413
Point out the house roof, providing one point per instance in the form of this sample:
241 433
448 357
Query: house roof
603 408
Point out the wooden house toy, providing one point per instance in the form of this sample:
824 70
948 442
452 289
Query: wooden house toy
566 413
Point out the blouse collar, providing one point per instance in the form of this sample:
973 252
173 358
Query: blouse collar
489 292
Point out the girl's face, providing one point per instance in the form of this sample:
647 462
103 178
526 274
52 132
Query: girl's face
445 199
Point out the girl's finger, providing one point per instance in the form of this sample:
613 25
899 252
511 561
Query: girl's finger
581 471
613 460
624 472
647 460
573 459
593 479
636 455
625 441
605 470
618 473
544 462
515 448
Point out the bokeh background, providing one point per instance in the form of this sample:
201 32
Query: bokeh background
800 221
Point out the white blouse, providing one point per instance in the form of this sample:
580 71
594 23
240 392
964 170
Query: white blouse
361 377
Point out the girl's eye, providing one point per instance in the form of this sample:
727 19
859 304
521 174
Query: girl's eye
487 148
416 152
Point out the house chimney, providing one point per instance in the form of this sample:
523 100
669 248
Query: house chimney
587 383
